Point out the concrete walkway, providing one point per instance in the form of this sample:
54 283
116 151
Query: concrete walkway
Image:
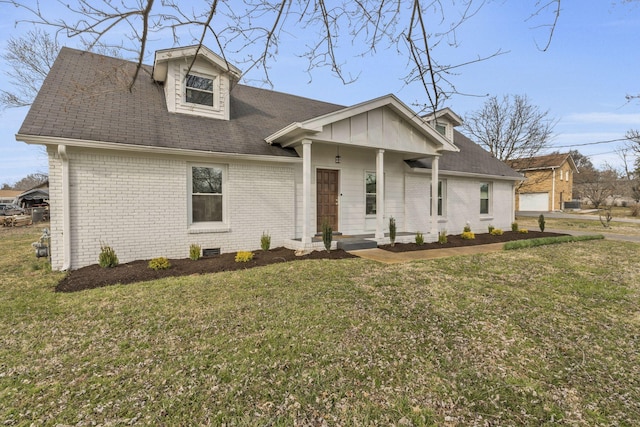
388 257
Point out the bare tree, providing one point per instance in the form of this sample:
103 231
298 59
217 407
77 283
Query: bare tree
30 181
251 31
599 187
30 58
510 128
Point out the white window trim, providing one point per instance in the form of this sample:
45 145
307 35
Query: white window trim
210 226
490 195
444 199
216 91
366 172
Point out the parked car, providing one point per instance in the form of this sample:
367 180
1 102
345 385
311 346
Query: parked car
10 209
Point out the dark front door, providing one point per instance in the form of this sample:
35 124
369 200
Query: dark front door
327 198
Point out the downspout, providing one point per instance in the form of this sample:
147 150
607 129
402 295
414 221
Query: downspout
553 191
66 214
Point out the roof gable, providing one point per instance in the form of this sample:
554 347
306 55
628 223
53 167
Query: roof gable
187 53
369 124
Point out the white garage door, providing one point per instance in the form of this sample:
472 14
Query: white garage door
534 202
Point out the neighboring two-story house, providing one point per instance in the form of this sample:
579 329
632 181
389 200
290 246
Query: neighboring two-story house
188 155
548 184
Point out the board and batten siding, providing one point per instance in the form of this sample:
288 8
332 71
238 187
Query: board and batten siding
138 206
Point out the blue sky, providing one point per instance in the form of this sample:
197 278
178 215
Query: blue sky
582 79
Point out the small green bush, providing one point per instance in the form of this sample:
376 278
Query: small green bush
491 228
107 257
497 232
467 228
265 241
327 235
244 256
541 222
419 238
468 235
195 252
531 243
514 226
160 263
392 230
442 237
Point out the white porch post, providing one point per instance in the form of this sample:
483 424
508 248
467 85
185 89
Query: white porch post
306 194
434 195
380 195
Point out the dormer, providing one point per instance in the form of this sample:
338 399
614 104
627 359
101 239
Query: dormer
444 121
199 87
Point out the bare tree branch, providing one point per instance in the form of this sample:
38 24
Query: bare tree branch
29 58
252 31
510 129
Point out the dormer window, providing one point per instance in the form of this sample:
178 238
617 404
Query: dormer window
441 128
199 90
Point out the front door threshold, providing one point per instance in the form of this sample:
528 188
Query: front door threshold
335 233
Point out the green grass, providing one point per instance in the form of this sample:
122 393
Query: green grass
588 225
540 336
531 243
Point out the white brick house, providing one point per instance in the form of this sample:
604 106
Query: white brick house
191 156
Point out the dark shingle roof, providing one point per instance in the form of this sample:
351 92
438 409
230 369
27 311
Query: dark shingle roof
549 161
471 159
86 97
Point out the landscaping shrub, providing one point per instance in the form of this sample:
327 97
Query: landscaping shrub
468 235
160 263
530 243
442 237
523 230
467 228
392 230
491 228
107 257
541 222
194 251
514 226
244 256
496 232
327 235
265 241
419 238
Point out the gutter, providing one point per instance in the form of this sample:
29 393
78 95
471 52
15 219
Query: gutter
66 212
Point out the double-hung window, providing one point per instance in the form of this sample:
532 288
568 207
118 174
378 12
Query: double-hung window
199 90
207 197
370 193
441 191
485 190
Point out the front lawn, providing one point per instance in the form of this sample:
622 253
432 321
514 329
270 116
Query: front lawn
529 337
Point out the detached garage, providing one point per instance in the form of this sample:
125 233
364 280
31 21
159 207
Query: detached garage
534 202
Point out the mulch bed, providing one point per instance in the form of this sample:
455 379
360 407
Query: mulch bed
480 239
94 276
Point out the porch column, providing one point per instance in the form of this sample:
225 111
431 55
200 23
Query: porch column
434 195
306 194
380 195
